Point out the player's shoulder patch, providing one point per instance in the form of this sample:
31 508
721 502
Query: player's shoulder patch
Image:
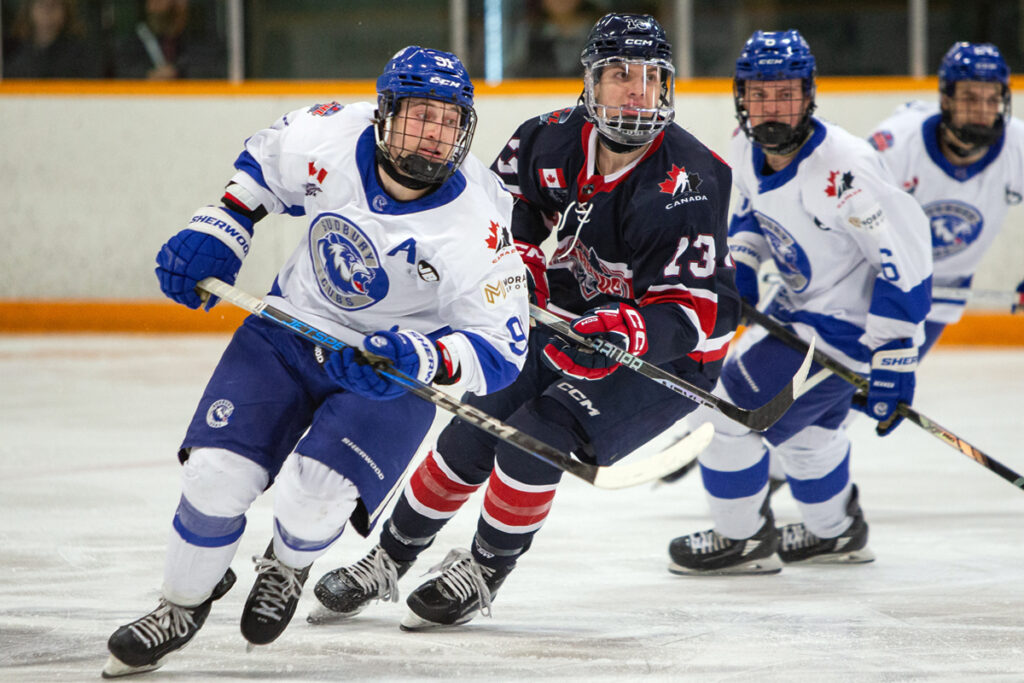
328 109
555 117
881 140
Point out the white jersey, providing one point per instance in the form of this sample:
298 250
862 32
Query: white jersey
965 204
852 249
443 264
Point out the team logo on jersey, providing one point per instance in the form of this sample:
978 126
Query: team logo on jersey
346 264
882 140
328 109
955 226
792 261
552 177
683 185
219 413
909 186
1012 198
593 275
558 116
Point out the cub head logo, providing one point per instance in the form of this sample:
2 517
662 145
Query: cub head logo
346 263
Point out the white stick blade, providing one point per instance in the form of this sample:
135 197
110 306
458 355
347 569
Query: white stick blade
658 465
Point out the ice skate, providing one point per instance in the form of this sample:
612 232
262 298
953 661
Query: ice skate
463 588
143 644
272 600
800 545
346 591
710 553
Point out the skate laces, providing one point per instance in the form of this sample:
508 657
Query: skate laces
376 573
277 585
165 622
796 536
704 542
464 578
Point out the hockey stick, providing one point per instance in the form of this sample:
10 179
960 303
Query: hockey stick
602 477
758 420
789 338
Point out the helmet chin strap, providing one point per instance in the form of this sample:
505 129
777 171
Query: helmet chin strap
410 162
974 137
614 146
778 138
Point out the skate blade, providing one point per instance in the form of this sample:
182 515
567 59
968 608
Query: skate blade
413 622
768 565
115 668
325 615
862 556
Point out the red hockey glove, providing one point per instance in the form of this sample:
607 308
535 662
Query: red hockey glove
619 324
536 272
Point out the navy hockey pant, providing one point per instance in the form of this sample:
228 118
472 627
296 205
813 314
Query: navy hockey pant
601 421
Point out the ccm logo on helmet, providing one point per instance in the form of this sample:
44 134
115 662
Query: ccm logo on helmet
444 81
638 41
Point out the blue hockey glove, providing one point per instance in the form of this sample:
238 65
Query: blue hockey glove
410 352
1018 306
213 246
746 284
619 324
891 382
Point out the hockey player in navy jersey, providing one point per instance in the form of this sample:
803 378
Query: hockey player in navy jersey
963 161
639 209
408 240
852 251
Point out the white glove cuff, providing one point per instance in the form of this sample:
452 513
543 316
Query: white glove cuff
895 360
426 352
213 220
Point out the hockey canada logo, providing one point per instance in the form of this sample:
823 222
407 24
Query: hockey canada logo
316 178
838 185
683 185
789 256
955 226
219 413
499 238
346 264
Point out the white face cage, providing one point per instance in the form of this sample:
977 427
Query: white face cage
625 124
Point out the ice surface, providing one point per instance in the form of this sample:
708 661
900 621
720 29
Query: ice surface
89 480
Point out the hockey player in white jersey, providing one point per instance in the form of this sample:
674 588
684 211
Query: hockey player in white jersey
852 250
409 241
963 161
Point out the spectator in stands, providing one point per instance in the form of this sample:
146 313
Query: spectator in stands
166 45
51 43
550 44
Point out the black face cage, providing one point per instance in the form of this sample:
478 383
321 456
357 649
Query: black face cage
424 171
637 126
774 137
972 134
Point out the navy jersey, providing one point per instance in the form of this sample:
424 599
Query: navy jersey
652 235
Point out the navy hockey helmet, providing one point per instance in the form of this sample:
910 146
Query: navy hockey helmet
434 75
974 62
629 42
775 56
